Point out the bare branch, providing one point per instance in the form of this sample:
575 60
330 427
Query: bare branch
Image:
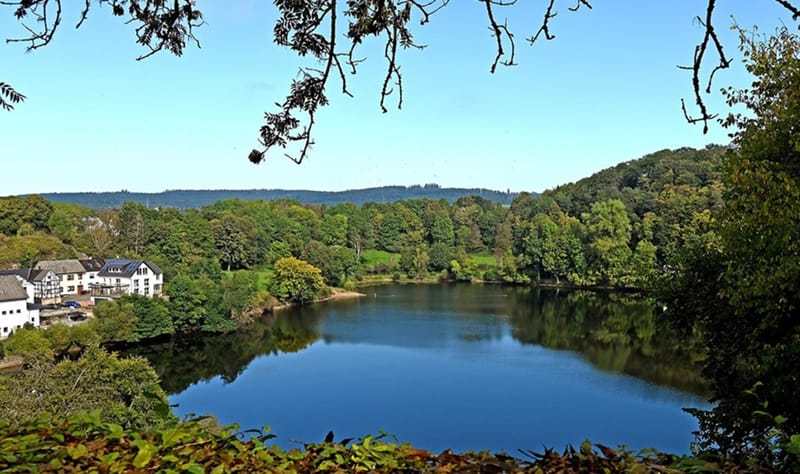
792 8
498 31
161 24
710 36
298 28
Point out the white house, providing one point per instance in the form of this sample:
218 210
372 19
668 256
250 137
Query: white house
122 276
91 267
46 284
76 276
16 305
70 272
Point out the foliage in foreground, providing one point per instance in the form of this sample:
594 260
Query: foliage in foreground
86 443
127 390
742 295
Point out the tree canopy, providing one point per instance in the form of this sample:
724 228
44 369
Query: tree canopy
330 33
741 293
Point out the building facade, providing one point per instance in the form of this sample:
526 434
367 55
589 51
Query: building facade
16 305
125 277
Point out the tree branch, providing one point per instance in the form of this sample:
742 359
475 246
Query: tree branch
710 36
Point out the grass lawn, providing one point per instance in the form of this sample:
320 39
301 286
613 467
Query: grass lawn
485 260
370 258
263 276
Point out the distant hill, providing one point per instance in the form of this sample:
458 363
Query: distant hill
638 183
185 199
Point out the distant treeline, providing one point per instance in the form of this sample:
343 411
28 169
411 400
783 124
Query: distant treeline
195 199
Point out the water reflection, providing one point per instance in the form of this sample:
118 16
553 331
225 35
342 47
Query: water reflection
187 360
447 366
616 333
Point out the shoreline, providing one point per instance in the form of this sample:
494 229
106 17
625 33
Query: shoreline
336 294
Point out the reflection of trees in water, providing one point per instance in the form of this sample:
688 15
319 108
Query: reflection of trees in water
186 360
614 332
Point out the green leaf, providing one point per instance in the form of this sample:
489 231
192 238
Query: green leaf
143 457
78 451
586 447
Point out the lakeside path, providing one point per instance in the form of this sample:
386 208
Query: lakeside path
336 294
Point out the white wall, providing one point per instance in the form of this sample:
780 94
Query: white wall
14 315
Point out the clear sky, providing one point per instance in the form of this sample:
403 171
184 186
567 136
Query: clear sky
606 90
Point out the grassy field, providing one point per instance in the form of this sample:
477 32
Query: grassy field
485 260
370 258
263 276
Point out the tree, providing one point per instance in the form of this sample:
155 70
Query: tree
742 294
329 33
464 267
152 316
296 281
33 210
133 230
233 235
540 244
609 233
30 344
442 230
68 221
333 229
192 301
115 321
125 390
239 294
440 255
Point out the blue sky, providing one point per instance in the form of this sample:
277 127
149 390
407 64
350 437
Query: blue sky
606 90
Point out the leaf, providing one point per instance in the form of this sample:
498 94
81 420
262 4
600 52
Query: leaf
143 457
78 451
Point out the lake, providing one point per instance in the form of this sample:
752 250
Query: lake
467 367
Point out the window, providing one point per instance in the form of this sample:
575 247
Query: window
5 330
118 281
4 311
146 282
71 288
19 311
146 290
70 277
136 283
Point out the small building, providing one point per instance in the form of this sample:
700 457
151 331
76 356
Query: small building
46 284
16 305
125 277
91 267
70 272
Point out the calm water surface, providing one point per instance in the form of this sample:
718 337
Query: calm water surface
449 366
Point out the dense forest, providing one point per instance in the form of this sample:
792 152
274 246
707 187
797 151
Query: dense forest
618 228
192 199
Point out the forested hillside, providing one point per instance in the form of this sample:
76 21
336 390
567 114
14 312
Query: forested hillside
619 227
193 199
